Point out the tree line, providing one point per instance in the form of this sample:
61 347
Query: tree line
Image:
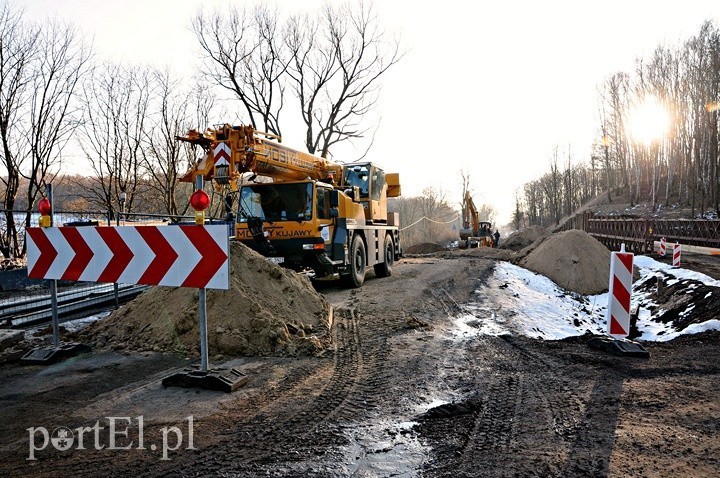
55 97
679 166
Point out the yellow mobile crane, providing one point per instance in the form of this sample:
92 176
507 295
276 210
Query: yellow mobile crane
314 214
474 233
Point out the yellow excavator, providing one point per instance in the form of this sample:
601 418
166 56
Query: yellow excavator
474 233
302 211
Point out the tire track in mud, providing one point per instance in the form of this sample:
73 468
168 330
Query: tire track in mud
557 391
300 429
336 396
493 428
525 409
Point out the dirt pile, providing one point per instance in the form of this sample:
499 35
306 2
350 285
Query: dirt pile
424 248
268 310
574 260
523 238
484 252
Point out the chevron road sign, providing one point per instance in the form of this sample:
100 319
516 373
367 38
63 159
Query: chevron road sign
221 153
178 256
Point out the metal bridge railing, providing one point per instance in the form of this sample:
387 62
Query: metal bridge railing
639 234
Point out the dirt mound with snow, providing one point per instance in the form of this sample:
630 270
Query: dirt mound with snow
424 248
268 310
572 259
678 302
523 238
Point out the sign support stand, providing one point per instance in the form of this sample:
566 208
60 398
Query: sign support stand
214 379
53 302
53 283
58 352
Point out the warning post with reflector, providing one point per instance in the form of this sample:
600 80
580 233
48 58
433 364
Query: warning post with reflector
618 309
620 288
677 252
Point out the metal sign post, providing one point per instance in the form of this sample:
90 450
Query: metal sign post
49 355
53 283
202 305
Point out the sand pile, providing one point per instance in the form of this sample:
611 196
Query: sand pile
574 260
523 238
424 248
268 310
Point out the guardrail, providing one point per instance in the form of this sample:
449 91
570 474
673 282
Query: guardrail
71 304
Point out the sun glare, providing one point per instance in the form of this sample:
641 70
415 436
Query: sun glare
648 120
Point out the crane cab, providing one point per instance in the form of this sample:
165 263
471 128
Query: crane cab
372 187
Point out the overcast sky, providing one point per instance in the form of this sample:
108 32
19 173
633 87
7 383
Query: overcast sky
488 87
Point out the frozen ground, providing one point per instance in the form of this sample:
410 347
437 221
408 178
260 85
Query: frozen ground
532 305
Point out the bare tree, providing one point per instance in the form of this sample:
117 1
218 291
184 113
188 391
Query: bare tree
518 215
40 67
552 188
114 130
337 63
174 111
18 47
244 54
62 61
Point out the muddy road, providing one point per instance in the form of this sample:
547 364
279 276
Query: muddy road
407 390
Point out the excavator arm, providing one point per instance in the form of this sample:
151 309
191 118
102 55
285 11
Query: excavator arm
471 218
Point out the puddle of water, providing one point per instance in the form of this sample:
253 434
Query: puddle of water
385 448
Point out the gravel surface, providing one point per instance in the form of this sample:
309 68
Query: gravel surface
399 393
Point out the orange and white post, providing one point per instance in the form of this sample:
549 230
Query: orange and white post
618 310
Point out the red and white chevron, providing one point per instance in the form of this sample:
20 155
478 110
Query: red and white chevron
618 311
221 153
176 256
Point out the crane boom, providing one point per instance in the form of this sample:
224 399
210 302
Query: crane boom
234 150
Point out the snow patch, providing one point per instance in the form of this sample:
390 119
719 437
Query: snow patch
530 304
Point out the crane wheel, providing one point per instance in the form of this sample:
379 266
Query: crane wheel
384 269
358 261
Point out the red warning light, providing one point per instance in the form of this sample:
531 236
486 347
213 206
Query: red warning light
199 200
44 207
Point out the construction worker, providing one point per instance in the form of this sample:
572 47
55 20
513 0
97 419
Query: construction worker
496 238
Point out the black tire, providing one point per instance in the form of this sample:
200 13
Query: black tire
384 269
358 261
